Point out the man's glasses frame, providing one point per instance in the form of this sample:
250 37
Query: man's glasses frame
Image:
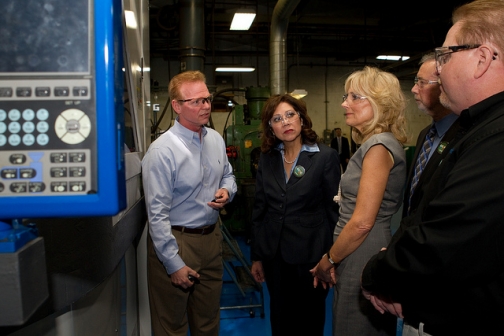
197 101
443 54
423 82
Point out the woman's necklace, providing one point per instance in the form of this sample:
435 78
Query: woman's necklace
289 162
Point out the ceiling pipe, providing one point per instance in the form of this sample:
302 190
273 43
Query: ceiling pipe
192 35
278 36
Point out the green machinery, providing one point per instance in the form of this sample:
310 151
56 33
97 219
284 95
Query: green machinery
243 142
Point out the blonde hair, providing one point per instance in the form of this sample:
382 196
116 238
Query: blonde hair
480 22
184 77
383 91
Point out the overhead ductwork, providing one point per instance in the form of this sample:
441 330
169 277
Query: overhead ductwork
192 35
278 38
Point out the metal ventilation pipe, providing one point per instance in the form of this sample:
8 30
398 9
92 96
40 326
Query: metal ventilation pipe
192 35
278 37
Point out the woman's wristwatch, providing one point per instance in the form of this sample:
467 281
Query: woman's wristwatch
328 254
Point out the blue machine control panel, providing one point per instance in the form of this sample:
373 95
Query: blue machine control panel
61 112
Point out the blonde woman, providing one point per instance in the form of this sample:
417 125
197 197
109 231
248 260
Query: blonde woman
370 193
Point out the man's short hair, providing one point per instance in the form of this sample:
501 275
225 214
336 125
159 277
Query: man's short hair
184 77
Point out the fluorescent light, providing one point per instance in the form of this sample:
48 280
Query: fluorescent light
392 58
234 69
242 21
130 19
299 93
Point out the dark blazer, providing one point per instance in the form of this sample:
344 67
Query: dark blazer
429 169
345 149
299 216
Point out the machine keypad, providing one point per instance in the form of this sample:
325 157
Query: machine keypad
36 172
21 127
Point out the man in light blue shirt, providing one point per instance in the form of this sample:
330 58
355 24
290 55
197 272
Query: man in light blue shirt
187 179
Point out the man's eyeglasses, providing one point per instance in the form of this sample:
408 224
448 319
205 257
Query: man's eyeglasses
422 82
196 102
289 116
443 53
355 97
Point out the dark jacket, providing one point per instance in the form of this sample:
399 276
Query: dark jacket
298 217
345 147
429 169
445 264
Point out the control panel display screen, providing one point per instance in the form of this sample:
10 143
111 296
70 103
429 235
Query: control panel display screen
61 111
48 112
49 36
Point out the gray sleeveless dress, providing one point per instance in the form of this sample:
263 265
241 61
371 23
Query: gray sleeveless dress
352 314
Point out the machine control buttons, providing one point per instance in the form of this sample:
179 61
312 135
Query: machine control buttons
8 173
77 157
38 172
23 91
61 91
72 126
58 157
14 115
28 139
80 91
42 114
18 187
77 171
36 187
14 127
77 186
28 114
42 127
14 139
43 91
28 127
16 123
27 173
5 92
59 187
17 158
58 172
42 139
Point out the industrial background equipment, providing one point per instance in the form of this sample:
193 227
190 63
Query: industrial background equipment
243 141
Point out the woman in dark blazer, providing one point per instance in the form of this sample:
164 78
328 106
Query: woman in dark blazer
294 215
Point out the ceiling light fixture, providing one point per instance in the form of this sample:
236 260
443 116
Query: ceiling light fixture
234 69
299 93
392 58
242 19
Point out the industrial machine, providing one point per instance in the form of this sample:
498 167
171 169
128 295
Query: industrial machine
61 128
243 142
70 200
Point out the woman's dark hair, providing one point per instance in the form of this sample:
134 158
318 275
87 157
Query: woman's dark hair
268 139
